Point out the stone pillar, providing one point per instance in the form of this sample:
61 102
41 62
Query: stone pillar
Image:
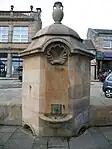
9 65
56 90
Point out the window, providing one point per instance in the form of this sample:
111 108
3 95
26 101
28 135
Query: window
20 34
3 34
110 78
107 43
16 62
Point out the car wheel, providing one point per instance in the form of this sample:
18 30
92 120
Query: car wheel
108 93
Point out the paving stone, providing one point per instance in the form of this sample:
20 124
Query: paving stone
37 146
7 129
20 129
99 139
107 131
4 137
40 143
19 143
85 141
57 143
40 140
1 147
21 134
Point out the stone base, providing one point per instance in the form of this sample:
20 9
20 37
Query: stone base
10 114
45 129
100 115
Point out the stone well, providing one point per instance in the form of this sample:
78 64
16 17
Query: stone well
56 80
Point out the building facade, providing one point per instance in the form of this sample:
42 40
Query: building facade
102 40
16 31
91 48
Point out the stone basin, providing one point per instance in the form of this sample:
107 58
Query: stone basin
56 121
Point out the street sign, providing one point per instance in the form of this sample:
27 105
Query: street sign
99 55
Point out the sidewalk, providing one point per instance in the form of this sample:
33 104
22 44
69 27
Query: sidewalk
5 78
95 80
7 83
17 138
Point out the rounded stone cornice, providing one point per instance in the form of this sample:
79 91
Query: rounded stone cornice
53 40
57 30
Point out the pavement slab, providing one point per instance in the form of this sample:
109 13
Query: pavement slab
107 132
19 143
7 129
4 137
99 139
40 143
55 142
36 146
85 141
18 138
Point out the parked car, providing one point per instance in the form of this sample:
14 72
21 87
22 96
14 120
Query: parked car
107 86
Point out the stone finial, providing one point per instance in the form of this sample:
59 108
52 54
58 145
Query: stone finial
31 8
58 12
39 11
12 7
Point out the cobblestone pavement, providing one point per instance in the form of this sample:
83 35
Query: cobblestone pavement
17 138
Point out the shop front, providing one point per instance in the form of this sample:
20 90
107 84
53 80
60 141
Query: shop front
16 62
104 61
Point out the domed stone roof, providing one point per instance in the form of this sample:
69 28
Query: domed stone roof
57 32
57 29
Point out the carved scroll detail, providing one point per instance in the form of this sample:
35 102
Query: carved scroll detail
57 54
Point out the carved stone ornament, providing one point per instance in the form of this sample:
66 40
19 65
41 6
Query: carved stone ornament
57 53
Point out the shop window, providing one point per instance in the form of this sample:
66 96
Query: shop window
107 44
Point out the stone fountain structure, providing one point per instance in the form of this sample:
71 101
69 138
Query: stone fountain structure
56 80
